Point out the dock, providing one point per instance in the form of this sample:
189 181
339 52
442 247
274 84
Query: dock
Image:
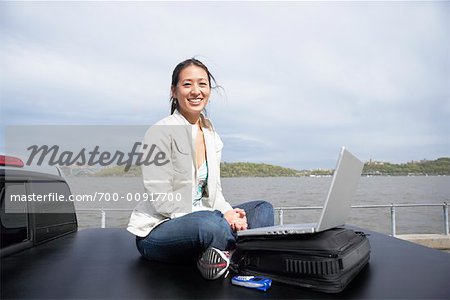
436 241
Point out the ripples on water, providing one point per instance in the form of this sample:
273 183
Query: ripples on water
295 191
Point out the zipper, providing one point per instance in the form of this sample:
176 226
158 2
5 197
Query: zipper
312 252
316 252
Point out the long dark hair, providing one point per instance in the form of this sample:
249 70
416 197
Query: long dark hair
176 78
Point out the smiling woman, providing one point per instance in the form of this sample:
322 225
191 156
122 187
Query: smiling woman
191 87
201 228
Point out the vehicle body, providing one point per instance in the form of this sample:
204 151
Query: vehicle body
44 256
25 222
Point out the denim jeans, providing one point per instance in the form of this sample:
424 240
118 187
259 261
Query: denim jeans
183 239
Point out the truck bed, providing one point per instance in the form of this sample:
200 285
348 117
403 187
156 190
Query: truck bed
105 264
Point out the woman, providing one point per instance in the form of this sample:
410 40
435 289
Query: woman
190 220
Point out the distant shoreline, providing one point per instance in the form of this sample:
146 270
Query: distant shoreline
438 167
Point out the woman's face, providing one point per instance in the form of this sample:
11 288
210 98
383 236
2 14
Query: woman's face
192 91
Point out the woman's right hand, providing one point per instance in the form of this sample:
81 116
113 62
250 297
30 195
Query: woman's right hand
236 218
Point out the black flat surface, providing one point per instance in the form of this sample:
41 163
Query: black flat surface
104 263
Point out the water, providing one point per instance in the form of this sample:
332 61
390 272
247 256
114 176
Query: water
293 191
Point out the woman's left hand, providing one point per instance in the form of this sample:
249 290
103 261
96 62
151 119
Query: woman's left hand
236 218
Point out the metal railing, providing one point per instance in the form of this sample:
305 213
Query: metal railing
102 212
393 212
391 206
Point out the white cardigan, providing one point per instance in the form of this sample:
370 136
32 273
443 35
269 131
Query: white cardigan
173 136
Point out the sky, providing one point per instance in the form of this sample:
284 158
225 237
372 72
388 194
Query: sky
299 79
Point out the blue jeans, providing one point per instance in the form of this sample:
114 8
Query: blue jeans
183 239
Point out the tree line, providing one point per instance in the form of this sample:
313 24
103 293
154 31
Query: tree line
440 166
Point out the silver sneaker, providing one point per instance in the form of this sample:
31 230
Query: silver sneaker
213 263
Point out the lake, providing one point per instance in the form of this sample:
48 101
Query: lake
292 191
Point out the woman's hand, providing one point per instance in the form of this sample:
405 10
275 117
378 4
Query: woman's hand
236 218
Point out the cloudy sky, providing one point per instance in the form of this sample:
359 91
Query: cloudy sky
299 79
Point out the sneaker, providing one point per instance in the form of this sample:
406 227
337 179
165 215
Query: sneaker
213 263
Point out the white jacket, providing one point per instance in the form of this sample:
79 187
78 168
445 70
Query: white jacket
174 136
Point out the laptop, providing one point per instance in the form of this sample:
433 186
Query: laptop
337 204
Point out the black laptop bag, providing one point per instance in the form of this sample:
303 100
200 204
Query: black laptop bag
325 261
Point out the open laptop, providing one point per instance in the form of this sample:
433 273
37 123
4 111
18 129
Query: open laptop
337 205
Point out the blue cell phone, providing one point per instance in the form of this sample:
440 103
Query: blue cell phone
253 282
